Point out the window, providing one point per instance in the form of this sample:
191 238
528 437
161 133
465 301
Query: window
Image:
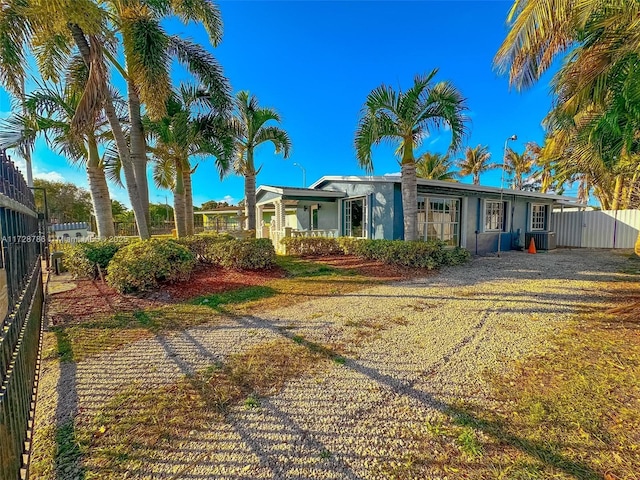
538 217
314 217
354 217
439 219
494 216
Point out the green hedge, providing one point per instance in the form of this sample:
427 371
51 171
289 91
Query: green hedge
250 254
82 259
311 246
229 252
142 265
395 252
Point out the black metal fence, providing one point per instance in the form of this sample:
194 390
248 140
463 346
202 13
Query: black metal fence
21 302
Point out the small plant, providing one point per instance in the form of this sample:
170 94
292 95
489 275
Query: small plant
469 444
250 254
311 246
142 265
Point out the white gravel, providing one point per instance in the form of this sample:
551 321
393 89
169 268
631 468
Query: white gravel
433 339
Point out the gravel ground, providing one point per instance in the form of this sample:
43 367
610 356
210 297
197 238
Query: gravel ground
431 341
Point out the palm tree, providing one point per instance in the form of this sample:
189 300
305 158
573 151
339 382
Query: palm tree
48 112
252 130
148 52
475 162
520 165
595 115
406 118
435 166
181 135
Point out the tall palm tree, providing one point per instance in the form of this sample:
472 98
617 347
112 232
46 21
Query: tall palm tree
89 25
596 114
406 118
182 135
48 112
252 130
475 162
435 166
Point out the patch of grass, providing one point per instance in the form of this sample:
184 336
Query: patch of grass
632 266
299 267
218 301
76 342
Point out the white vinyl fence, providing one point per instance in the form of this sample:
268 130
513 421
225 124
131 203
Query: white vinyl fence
597 228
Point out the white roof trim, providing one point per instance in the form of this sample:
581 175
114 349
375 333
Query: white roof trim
299 192
451 185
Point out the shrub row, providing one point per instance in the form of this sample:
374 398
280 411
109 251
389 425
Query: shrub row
396 252
141 265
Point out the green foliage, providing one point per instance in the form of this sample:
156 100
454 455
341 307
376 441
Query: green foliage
420 254
211 204
316 246
83 259
141 265
199 245
250 254
66 202
228 252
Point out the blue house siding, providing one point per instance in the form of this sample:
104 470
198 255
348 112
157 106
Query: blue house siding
450 206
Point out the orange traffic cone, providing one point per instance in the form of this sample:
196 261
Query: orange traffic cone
532 247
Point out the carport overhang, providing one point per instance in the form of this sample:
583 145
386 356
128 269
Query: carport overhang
267 194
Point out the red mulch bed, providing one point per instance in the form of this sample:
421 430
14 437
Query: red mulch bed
93 298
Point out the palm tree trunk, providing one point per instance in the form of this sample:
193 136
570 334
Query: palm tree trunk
138 148
617 193
476 178
250 192
188 201
409 185
99 192
179 210
118 135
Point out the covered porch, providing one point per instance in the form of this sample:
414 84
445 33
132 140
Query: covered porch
297 212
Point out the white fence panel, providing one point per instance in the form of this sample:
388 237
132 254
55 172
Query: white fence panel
568 228
597 228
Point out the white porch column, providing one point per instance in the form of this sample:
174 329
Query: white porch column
280 215
259 221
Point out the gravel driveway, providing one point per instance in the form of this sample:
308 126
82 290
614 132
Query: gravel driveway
434 338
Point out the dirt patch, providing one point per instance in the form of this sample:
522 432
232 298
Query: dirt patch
92 298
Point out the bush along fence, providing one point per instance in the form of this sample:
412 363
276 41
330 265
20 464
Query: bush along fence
21 303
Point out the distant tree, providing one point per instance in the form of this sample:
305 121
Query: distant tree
160 213
211 204
475 162
435 166
66 202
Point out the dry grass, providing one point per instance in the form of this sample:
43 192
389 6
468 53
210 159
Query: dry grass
570 412
141 423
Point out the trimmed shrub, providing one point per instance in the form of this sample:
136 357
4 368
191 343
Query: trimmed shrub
83 259
311 246
250 254
420 254
142 265
199 245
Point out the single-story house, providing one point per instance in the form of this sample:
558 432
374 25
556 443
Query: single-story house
470 216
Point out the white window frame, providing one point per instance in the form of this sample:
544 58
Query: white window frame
505 216
423 225
346 209
534 226
312 209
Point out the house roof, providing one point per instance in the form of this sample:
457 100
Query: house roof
297 193
560 199
61 227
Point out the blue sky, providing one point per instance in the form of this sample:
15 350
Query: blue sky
316 61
